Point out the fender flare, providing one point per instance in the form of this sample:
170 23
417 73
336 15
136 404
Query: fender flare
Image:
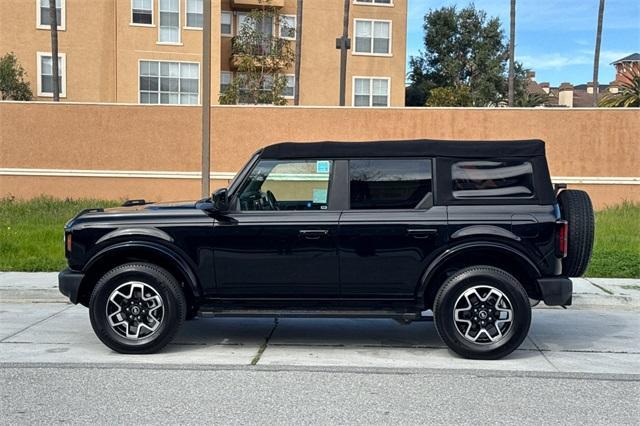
125 232
164 251
429 273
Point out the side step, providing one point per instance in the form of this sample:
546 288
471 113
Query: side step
405 317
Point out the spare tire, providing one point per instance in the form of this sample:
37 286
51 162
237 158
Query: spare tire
576 208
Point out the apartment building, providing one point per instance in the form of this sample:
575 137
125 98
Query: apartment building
150 51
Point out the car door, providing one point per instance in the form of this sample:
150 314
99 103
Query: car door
280 238
390 228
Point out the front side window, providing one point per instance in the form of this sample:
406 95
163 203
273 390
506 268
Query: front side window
373 37
226 18
287 185
142 12
194 14
169 82
43 14
370 92
169 21
288 27
390 184
491 179
45 74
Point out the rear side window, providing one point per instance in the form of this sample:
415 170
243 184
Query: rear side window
492 179
389 184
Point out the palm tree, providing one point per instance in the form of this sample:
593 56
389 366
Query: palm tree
596 58
628 90
53 20
512 51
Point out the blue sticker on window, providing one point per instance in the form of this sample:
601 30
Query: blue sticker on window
319 196
323 166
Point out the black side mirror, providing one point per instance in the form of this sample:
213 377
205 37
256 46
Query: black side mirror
217 204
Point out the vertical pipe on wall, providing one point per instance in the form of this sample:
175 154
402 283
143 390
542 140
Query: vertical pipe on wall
55 73
206 98
296 94
343 51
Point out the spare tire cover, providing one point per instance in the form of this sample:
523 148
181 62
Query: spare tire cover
576 208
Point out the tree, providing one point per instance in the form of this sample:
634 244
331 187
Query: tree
596 56
53 20
462 48
260 58
12 84
458 96
628 90
512 51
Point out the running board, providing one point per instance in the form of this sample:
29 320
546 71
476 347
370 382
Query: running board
405 317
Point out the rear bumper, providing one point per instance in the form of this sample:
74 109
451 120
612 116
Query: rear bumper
69 284
556 291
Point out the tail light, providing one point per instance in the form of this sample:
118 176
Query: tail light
562 238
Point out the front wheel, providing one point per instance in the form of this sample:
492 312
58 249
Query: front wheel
137 308
482 312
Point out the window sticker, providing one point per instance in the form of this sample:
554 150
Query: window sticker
322 166
319 196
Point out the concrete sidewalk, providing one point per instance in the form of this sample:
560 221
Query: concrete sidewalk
42 287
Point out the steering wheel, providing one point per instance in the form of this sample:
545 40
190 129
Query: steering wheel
271 200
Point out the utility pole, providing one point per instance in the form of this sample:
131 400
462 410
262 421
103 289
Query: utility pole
55 74
596 56
512 52
206 98
344 44
296 93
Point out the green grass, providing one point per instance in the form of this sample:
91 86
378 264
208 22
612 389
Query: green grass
31 236
616 252
31 232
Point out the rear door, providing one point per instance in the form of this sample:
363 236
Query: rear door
390 227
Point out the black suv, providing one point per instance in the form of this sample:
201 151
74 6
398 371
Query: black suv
473 231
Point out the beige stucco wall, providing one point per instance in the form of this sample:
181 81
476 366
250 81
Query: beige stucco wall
580 143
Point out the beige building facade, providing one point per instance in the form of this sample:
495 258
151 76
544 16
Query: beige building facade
150 51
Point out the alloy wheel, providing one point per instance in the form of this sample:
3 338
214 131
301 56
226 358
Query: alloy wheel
483 315
135 310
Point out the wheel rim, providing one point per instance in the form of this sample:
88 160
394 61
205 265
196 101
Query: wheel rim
483 315
135 310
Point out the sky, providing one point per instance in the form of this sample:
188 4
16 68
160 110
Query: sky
556 39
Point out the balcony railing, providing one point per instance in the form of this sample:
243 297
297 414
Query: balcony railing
251 4
263 51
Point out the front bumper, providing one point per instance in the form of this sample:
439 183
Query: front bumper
556 291
69 284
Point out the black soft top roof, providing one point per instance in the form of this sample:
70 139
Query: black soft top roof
405 148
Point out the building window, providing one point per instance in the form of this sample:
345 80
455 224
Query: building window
226 26
289 89
370 92
45 74
142 12
288 27
169 21
194 14
373 37
374 2
390 184
225 80
169 82
492 179
265 26
43 20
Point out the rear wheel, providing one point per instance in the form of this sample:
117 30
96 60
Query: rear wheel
576 208
137 308
482 312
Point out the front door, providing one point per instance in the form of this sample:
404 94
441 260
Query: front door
280 239
390 229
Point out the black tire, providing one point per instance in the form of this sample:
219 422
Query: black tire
479 276
165 286
576 208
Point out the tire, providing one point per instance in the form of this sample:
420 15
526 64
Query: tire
500 337
576 208
141 289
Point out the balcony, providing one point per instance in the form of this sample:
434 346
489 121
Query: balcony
252 4
264 53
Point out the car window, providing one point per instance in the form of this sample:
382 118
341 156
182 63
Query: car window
490 179
389 184
287 185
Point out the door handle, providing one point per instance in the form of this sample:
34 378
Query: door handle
421 233
313 234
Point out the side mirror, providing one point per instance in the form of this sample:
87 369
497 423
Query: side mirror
218 203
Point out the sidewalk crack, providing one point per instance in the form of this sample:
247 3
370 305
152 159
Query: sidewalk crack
543 353
606 290
35 323
264 345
